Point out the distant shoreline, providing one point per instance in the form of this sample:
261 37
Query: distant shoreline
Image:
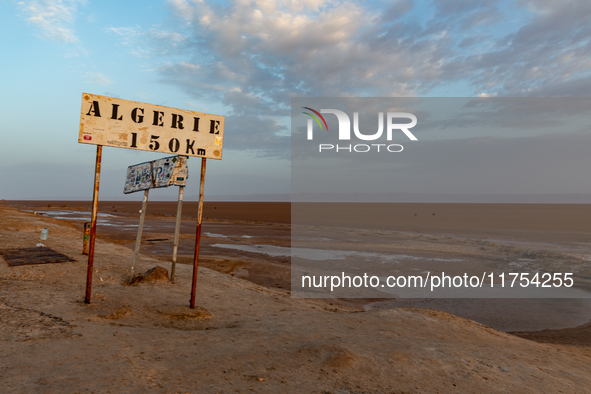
351 196
430 218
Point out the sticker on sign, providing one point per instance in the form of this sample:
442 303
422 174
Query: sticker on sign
110 121
169 171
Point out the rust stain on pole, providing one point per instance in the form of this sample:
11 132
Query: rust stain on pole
97 177
198 235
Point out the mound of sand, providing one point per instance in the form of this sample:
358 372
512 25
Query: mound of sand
156 274
243 338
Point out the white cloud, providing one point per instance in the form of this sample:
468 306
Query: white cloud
340 47
150 42
254 54
127 33
329 48
98 78
54 18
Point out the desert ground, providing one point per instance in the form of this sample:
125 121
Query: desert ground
248 334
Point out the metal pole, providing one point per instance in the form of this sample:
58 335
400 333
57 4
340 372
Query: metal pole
198 235
95 194
139 233
177 232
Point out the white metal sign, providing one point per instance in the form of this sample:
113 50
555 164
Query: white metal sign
128 124
164 172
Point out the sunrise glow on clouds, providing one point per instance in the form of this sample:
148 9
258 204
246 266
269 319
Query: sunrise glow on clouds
246 59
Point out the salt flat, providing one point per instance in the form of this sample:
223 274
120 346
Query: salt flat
253 338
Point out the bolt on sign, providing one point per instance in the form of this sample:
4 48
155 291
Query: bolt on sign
169 171
128 124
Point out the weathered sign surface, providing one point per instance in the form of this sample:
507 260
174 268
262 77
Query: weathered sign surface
128 124
171 171
157 173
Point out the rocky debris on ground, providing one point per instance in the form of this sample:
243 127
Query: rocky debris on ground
153 275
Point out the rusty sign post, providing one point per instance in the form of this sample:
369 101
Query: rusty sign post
97 178
198 235
109 121
177 230
138 240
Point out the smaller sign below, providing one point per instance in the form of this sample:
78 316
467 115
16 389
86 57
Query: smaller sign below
169 171
139 177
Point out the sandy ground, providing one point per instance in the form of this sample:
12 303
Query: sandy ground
247 338
473 237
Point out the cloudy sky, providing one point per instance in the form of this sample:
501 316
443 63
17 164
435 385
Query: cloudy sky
247 59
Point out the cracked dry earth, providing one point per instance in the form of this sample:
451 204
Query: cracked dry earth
242 338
